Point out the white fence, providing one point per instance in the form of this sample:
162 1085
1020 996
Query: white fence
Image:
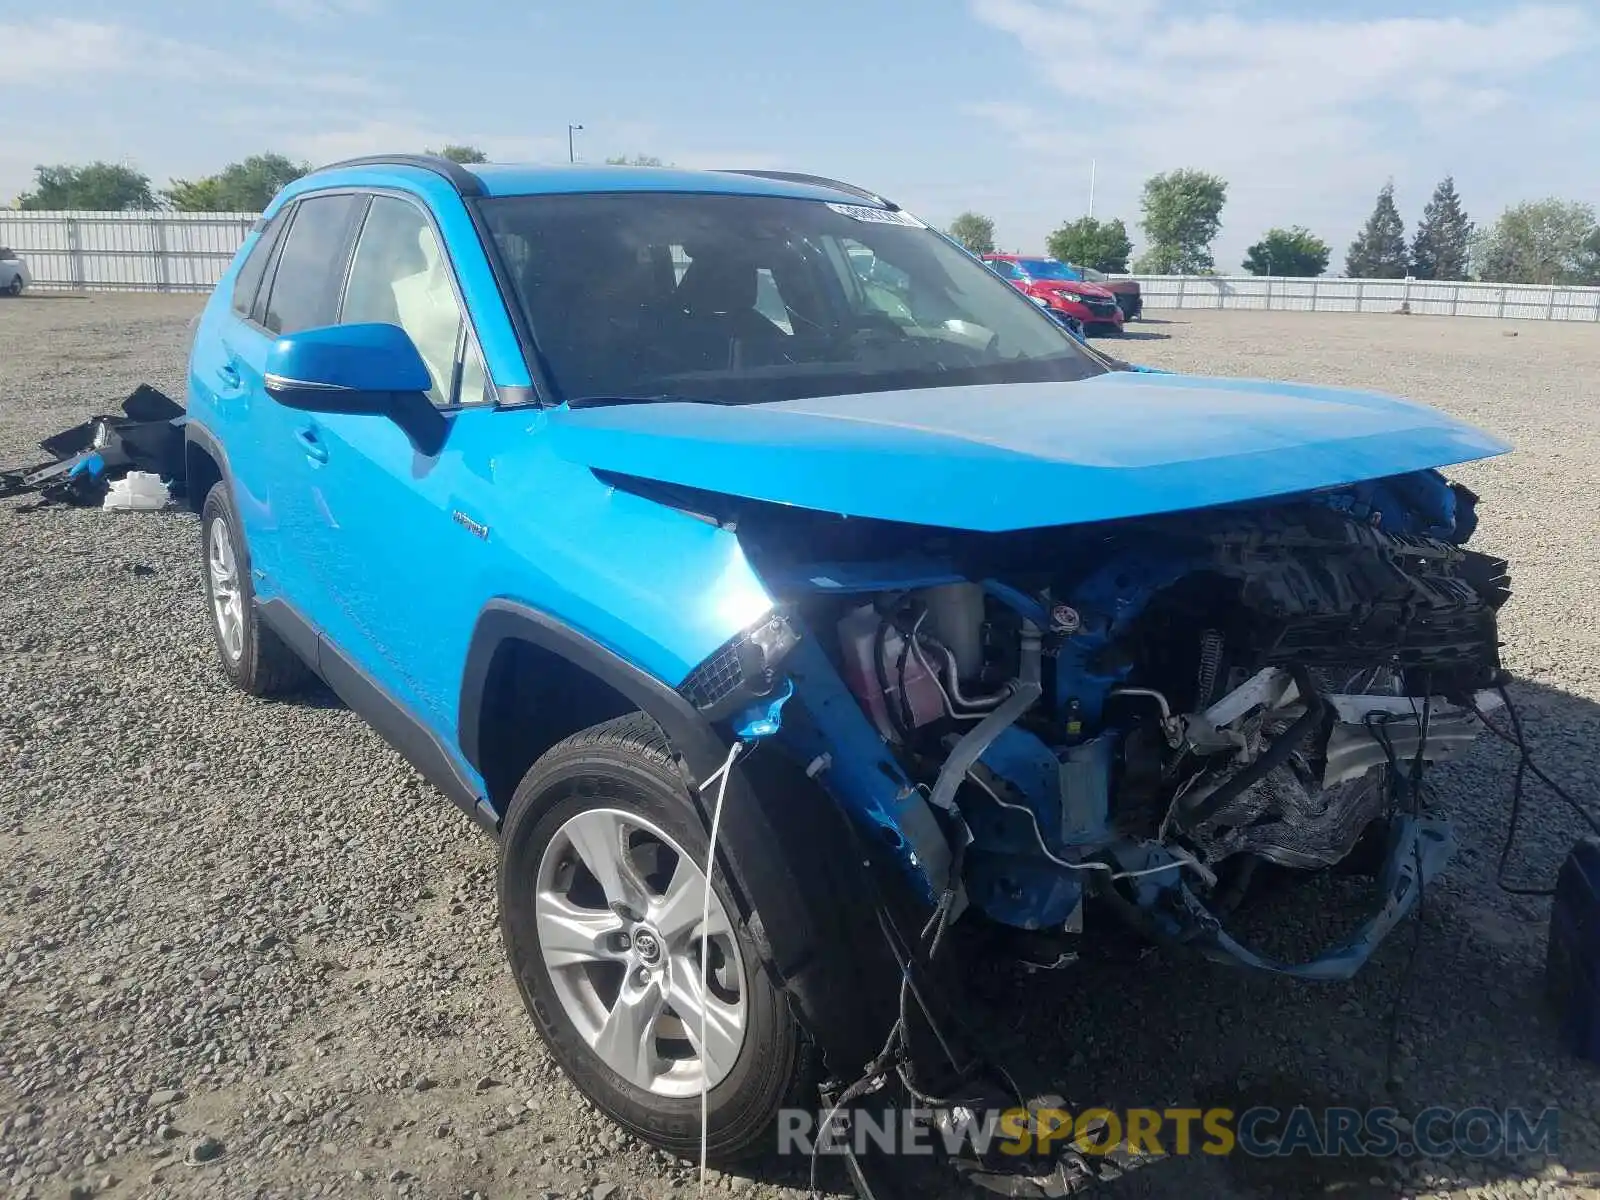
125 251
187 252
1510 300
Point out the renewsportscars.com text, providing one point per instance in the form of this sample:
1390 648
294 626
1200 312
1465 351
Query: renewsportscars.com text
1262 1132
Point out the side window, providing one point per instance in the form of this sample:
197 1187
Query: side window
248 281
258 309
305 285
400 277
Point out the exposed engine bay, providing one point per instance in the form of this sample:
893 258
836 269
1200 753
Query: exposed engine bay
1132 716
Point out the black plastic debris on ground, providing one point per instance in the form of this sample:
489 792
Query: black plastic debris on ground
86 459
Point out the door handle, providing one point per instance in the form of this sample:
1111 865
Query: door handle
311 444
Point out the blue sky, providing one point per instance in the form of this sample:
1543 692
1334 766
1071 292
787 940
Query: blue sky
999 105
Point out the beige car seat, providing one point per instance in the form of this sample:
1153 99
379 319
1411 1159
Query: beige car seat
427 308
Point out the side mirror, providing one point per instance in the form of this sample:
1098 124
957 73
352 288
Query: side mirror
361 369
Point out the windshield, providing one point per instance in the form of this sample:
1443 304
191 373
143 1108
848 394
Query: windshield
744 299
1049 268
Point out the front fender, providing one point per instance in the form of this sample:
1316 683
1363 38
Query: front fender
784 844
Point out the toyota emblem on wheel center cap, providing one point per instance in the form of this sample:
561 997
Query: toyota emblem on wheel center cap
647 945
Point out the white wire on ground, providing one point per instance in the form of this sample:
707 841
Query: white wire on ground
720 778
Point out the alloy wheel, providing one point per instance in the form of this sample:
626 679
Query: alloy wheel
619 916
227 597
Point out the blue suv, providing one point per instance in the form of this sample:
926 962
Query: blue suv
645 511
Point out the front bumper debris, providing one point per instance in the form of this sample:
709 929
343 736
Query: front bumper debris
88 458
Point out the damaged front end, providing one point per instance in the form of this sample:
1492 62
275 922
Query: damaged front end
1123 720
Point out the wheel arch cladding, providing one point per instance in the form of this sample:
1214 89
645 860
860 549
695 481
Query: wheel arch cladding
201 471
530 698
784 844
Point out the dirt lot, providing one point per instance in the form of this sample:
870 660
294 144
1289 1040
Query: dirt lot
248 934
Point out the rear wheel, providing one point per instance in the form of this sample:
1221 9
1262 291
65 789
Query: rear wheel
14 288
253 657
601 893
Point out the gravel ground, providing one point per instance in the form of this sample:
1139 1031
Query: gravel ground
245 951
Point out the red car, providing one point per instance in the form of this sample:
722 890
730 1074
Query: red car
1060 287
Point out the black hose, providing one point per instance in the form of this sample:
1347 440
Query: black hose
1136 918
908 719
1273 757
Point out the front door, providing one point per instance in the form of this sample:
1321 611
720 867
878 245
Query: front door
389 531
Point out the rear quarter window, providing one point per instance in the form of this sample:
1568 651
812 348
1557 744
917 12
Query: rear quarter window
250 274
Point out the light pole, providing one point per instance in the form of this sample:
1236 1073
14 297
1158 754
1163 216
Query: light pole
571 154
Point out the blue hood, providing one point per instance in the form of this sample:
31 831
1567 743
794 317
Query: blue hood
1017 456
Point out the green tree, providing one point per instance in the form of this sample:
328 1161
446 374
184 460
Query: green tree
636 160
974 231
1444 236
1542 241
1086 242
247 186
1379 251
461 153
96 186
1182 213
1295 252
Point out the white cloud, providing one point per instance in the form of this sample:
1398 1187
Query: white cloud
85 56
44 50
1293 111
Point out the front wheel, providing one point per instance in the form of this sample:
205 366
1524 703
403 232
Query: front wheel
14 288
640 1000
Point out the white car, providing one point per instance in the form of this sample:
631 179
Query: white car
14 275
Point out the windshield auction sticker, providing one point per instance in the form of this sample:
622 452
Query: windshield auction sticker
876 216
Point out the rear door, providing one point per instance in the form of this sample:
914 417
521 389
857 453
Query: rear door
299 290
226 399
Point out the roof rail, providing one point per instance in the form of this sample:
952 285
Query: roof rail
817 181
463 180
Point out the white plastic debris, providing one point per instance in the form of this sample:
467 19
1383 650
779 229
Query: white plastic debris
137 491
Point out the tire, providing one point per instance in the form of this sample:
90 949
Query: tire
14 288
611 786
252 655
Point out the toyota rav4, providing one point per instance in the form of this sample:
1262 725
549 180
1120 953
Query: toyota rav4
740 525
